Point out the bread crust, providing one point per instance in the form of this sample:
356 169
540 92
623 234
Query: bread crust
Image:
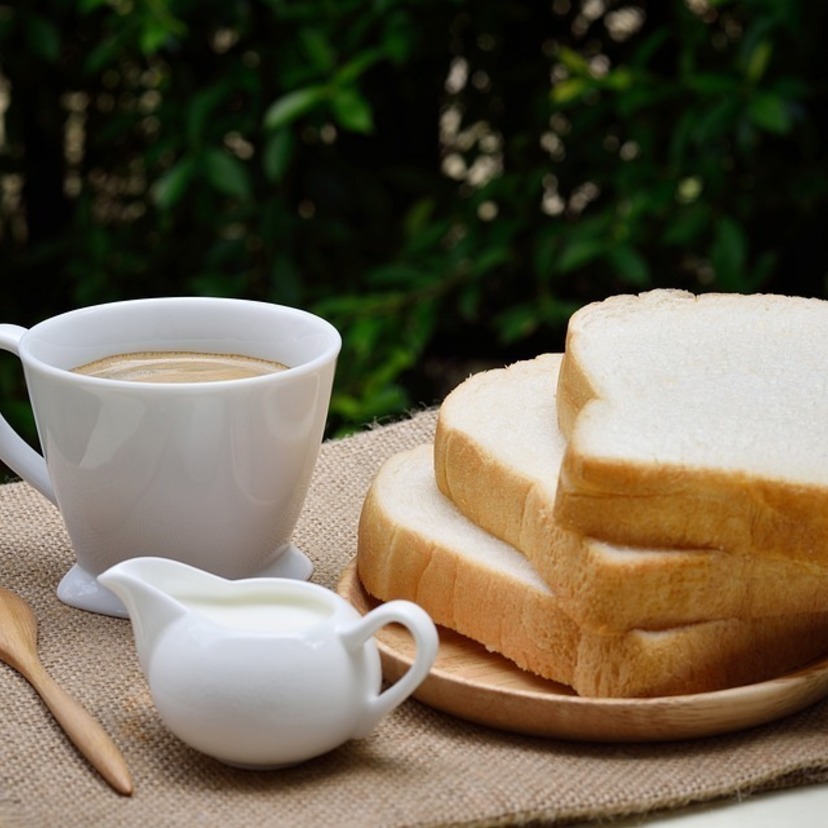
662 505
414 544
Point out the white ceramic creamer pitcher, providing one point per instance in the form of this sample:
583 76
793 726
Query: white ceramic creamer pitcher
262 672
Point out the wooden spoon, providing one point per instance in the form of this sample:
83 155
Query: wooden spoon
18 649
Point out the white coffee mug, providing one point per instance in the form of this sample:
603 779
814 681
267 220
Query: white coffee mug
213 474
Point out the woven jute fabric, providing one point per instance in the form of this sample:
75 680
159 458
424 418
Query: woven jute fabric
420 767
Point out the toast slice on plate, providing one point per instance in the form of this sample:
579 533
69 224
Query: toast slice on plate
698 421
498 453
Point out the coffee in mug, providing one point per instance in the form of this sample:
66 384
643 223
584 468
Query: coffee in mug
179 366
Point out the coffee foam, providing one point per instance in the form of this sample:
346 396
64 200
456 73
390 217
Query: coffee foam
179 366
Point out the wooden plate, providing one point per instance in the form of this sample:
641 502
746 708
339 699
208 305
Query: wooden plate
469 682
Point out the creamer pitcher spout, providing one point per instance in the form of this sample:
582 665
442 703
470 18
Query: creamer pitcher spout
147 588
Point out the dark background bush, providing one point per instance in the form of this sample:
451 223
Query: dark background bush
445 180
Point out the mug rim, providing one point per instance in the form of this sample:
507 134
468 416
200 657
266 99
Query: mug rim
330 351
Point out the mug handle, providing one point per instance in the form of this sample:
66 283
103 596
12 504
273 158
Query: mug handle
15 452
418 622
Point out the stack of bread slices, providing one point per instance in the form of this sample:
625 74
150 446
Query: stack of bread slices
643 515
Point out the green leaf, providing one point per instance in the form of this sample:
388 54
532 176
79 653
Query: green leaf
516 323
579 252
574 61
153 37
490 259
649 46
355 68
286 280
758 60
429 238
226 173
619 79
712 83
43 38
101 55
642 94
395 274
200 110
468 301
687 225
728 253
278 153
159 26
569 90
285 110
398 43
352 111
630 265
367 407
716 121
761 271
770 112
169 189
544 256
320 52
522 321
417 218
791 88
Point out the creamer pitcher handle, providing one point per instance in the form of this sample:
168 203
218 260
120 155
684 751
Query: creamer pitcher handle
15 452
417 621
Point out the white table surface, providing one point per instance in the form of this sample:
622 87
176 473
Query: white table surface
804 807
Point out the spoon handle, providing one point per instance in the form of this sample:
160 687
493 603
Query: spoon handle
86 733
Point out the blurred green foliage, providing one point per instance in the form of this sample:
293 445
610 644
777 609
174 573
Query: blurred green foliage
445 180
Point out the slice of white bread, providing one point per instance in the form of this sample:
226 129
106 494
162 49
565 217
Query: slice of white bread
498 452
414 544
698 421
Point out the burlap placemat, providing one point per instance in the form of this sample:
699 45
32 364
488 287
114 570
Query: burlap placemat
420 767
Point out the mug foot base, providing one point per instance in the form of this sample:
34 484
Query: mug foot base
80 589
292 563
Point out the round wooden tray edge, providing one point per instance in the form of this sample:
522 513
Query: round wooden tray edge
491 694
